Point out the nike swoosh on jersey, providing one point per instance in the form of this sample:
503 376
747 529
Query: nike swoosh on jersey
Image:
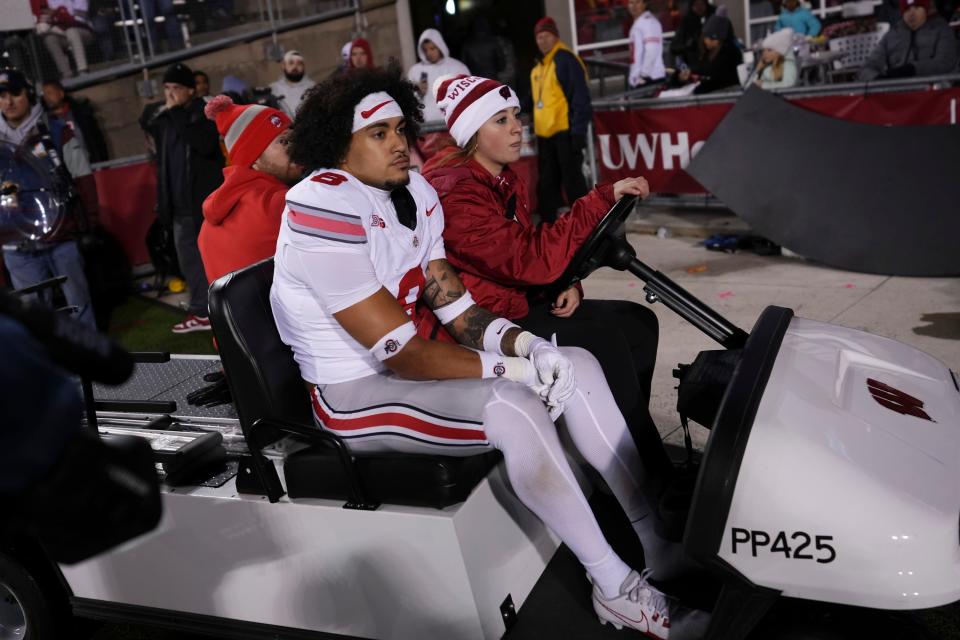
372 110
430 210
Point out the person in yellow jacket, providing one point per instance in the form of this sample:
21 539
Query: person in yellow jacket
560 101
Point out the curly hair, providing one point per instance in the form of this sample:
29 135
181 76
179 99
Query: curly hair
321 133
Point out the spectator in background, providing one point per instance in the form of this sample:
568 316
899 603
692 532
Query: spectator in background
361 54
32 261
560 100
63 25
290 88
242 217
777 68
344 64
172 31
716 65
202 82
797 17
686 42
482 52
76 114
236 88
918 45
646 45
189 164
435 61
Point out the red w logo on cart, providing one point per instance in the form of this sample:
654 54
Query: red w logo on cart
896 400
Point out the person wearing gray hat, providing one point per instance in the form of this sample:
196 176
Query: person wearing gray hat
716 65
293 84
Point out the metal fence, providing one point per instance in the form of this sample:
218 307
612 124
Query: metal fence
124 37
636 100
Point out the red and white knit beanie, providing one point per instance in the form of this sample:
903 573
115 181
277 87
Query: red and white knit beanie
466 102
247 129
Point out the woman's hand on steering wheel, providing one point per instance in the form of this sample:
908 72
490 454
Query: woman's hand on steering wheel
631 187
566 303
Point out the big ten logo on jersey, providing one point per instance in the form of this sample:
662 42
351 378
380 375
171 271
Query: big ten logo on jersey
411 286
377 222
330 178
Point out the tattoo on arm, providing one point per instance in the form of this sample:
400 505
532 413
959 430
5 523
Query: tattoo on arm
443 285
468 328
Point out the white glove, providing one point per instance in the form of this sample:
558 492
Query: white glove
554 370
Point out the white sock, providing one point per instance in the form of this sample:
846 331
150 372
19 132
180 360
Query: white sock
600 433
608 574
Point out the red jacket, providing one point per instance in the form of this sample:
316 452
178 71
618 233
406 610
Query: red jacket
499 259
241 221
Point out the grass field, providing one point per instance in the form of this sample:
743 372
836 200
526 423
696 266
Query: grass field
144 325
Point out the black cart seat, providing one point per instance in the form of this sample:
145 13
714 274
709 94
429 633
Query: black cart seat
271 401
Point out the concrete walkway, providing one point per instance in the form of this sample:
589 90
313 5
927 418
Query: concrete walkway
921 312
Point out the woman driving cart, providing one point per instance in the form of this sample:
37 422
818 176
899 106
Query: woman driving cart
505 261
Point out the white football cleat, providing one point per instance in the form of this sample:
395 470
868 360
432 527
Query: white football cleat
643 608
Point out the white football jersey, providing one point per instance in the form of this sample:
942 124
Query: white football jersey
646 49
332 213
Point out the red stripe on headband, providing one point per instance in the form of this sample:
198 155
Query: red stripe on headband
478 92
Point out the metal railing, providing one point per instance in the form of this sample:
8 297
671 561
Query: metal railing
137 35
629 99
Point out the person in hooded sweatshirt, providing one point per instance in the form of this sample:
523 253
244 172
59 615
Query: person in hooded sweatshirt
361 55
22 120
435 61
290 88
241 219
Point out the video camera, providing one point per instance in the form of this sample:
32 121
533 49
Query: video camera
97 494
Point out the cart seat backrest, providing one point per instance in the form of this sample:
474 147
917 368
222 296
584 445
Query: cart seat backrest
264 379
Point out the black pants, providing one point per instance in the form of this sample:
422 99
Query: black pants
559 165
623 337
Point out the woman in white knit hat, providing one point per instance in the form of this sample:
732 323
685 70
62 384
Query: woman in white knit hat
777 68
504 260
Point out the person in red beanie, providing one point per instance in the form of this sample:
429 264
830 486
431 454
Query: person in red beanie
919 45
560 101
242 217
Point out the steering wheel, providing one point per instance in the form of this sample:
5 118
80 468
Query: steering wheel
606 239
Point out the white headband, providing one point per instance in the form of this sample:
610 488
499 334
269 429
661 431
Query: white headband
374 108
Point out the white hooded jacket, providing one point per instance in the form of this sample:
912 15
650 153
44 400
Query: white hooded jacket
446 66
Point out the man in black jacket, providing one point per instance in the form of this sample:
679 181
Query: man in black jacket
189 168
76 113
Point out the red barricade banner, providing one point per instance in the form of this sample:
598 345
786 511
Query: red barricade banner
658 142
127 197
